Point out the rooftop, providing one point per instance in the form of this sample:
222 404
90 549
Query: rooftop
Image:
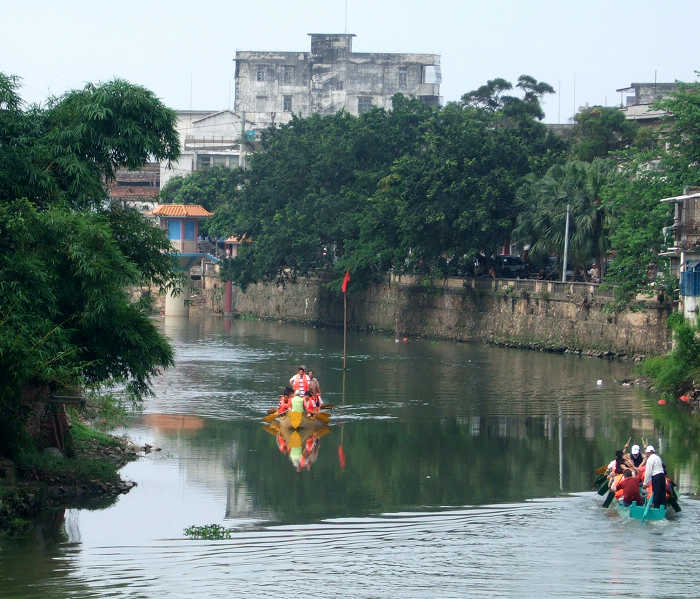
191 210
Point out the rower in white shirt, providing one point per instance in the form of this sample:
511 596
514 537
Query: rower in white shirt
655 473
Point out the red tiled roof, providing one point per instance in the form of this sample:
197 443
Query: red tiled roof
236 239
193 210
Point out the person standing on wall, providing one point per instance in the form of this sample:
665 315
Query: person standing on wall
655 473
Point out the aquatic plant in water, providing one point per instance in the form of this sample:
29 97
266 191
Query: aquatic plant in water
208 531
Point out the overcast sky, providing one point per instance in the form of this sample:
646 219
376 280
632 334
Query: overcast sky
184 51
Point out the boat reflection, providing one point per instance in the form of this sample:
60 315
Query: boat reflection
301 446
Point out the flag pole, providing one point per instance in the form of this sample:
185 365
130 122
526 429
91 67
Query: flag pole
344 289
345 328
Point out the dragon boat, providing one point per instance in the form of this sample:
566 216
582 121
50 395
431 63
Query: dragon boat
644 512
296 418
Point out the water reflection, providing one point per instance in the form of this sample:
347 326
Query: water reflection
300 446
443 468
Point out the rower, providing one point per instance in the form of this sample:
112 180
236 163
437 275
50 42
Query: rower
315 388
628 489
285 400
655 474
636 456
311 405
300 381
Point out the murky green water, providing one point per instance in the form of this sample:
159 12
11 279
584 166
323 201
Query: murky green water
450 470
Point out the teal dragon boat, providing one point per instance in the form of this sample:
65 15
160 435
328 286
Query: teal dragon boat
643 512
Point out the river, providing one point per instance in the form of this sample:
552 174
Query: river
449 470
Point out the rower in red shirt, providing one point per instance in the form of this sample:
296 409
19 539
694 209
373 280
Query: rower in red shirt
630 488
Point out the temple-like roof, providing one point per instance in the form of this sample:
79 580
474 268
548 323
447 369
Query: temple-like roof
186 210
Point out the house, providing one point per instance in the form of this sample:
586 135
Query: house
181 221
137 189
685 252
636 101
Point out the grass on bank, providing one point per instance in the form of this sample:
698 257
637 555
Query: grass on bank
679 371
84 458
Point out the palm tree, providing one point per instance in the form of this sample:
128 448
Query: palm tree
542 212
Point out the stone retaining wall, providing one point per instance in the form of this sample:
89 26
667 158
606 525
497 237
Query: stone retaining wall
537 314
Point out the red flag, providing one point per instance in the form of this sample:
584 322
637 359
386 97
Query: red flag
346 280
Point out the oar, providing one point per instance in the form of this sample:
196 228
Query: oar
674 503
327 406
325 418
604 487
271 416
599 480
608 499
646 509
673 499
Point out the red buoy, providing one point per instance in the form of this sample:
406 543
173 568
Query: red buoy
661 402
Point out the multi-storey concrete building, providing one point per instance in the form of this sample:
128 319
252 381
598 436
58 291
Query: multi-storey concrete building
271 86
636 101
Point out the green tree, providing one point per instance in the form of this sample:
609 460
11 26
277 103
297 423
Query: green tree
305 190
681 128
599 130
644 176
66 256
210 188
446 201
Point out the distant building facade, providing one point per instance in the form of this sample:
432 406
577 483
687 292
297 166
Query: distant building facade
272 86
637 99
138 188
685 252
210 138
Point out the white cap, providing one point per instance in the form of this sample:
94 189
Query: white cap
635 449
649 449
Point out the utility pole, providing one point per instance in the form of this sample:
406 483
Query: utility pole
566 242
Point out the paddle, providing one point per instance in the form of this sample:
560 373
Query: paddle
325 418
646 509
608 499
604 487
271 416
599 481
327 406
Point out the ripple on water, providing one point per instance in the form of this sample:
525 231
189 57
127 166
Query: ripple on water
537 548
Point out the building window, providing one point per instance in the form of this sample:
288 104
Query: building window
287 74
174 227
260 103
189 230
203 161
431 74
287 103
403 77
364 104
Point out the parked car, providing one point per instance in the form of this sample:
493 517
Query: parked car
510 267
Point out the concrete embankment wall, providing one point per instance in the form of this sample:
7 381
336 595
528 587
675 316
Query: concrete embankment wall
521 313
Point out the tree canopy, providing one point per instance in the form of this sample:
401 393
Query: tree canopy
599 130
414 187
67 257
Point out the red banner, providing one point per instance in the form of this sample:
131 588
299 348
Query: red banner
346 280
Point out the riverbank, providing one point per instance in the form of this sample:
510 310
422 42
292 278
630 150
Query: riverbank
49 481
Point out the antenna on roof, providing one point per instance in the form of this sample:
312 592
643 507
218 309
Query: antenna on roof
346 16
